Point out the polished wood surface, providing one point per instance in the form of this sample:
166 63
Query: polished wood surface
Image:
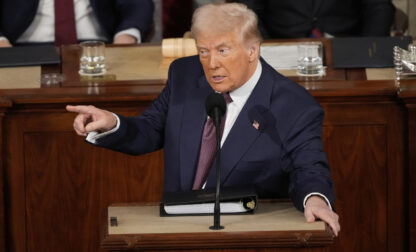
56 186
274 225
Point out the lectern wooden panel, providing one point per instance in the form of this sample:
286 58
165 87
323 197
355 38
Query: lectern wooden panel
274 225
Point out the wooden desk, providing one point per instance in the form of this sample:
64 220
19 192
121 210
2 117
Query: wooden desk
55 183
274 225
408 95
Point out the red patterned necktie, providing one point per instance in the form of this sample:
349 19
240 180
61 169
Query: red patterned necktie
316 33
65 29
208 149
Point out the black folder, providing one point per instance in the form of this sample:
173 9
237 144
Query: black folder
366 52
28 56
245 198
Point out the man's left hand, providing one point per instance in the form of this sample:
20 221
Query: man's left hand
124 39
317 208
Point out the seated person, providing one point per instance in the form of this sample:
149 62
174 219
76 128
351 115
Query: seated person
271 138
33 21
300 18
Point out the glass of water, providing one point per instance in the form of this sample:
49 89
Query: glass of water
310 58
92 60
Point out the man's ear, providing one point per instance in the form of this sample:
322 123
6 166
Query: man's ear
254 51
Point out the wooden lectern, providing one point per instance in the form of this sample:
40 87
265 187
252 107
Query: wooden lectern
274 225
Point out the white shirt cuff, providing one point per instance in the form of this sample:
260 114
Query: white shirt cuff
3 38
132 32
93 136
318 194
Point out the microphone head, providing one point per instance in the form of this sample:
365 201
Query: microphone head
213 101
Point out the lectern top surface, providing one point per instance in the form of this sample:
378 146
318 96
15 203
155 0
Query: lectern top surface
280 216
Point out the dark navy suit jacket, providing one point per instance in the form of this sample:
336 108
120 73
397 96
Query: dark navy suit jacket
284 156
113 16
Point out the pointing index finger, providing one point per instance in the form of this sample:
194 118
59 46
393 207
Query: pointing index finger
79 109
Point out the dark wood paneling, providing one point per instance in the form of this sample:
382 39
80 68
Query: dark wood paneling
358 160
412 175
408 95
4 104
364 143
69 183
215 240
58 188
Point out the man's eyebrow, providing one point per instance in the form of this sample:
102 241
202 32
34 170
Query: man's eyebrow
224 44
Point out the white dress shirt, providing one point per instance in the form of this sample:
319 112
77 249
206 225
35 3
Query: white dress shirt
42 28
239 97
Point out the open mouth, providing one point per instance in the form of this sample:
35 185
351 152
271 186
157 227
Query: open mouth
217 78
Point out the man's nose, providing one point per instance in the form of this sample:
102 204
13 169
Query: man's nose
213 62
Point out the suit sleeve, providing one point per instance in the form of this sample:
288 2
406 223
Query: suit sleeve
144 133
377 16
135 14
309 170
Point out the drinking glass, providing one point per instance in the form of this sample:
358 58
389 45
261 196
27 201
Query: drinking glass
310 58
92 60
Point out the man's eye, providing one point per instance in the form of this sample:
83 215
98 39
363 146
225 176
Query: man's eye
224 51
203 53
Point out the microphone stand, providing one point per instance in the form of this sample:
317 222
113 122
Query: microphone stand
217 211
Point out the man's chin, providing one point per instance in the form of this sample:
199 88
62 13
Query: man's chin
220 88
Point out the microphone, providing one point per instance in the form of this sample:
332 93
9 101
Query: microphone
215 106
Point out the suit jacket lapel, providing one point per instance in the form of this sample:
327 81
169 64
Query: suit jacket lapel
193 119
243 133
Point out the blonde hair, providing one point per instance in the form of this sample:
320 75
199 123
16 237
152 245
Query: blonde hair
223 18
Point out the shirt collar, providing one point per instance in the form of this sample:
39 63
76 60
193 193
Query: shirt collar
241 94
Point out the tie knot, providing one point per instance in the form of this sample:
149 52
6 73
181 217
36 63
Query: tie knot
227 97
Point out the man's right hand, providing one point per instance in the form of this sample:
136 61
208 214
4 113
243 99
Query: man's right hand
90 119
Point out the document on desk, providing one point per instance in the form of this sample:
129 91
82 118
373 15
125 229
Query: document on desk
207 208
28 56
366 52
280 56
201 202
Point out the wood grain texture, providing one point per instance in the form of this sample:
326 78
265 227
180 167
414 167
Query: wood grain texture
4 104
412 174
408 94
367 160
66 190
62 184
359 170
240 231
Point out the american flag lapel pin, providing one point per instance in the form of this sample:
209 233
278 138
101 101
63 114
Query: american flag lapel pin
256 124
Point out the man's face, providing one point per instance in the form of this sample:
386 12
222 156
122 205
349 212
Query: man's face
227 62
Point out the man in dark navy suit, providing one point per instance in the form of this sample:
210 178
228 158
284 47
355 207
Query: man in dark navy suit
271 138
311 18
117 21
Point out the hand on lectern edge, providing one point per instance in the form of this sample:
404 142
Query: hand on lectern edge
90 119
317 208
